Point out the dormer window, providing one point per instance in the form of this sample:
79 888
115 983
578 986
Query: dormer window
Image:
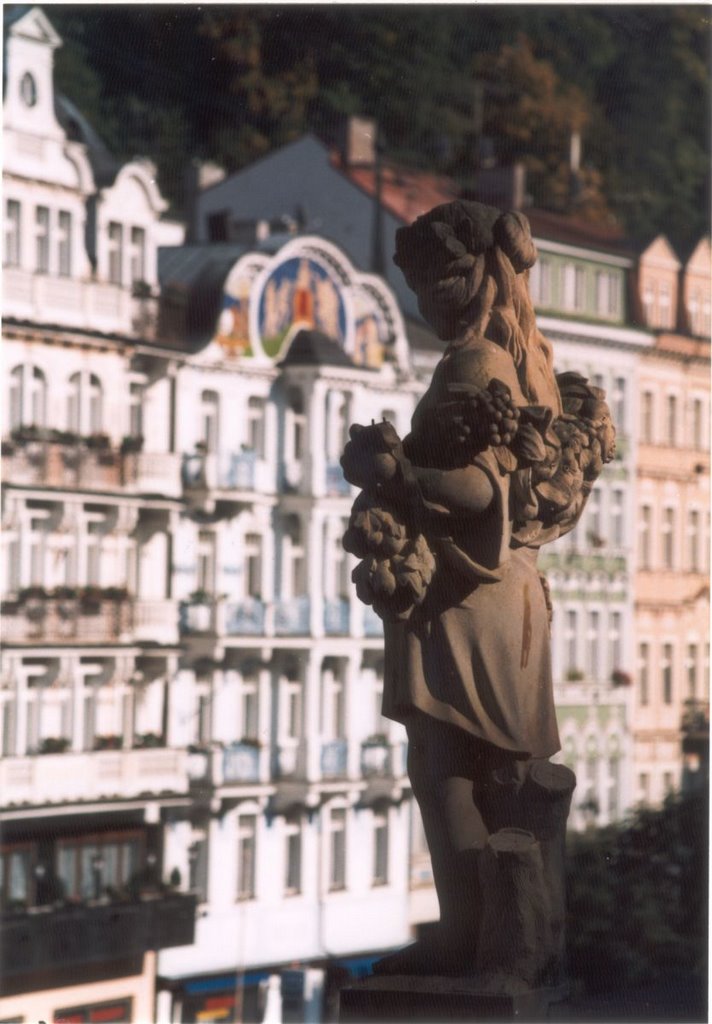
138 255
116 245
64 244
11 254
28 89
42 239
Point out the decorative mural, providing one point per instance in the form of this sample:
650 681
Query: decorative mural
308 284
299 293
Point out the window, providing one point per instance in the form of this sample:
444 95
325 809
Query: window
693 540
615 639
644 786
594 518
574 281
613 787
293 854
28 397
333 700
206 562
246 849
253 565
64 244
617 518
291 705
337 849
594 628
116 254
665 319
692 655
210 419
697 423
541 291
647 411
297 440
85 403
571 641
666 666
16 876
91 865
614 294
136 392
198 866
644 674
649 303
295 582
11 255
256 426
671 427
42 239
380 848
668 538
644 536
138 255
94 539
619 404
249 707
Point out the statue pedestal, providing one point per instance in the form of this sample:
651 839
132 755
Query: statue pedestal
437 998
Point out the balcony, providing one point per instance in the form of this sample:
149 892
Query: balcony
69 302
336 617
334 759
336 483
155 622
42 939
376 758
695 724
245 618
87 618
96 775
241 763
198 617
221 471
291 616
36 460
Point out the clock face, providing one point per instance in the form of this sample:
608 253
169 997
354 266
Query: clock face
28 89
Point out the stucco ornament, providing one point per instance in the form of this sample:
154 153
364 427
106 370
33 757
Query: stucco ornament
501 457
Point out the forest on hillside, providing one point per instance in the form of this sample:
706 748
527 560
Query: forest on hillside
453 87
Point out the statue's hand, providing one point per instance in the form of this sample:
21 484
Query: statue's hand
372 456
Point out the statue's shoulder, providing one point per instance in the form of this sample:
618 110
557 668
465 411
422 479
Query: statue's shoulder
479 362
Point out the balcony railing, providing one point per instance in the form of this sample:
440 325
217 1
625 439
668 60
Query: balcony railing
291 616
221 471
96 775
336 616
74 466
197 617
245 618
241 763
69 937
74 303
376 758
334 759
66 621
155 621
336 483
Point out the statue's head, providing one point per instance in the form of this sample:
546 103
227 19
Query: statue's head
462 257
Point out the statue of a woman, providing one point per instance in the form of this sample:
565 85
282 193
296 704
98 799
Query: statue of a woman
500 459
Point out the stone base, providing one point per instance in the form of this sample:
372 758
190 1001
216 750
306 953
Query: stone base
437 999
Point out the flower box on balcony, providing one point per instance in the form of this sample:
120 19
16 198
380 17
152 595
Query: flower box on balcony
621 678
574 675
54 745
110 741
148 739
98 442
132 444
90 599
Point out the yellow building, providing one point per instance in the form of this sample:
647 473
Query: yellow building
671 707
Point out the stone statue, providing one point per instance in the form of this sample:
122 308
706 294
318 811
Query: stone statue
501 458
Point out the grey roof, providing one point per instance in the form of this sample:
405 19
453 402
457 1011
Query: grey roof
422 338
104 166
313 348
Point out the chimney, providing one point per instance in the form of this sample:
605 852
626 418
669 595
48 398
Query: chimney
199 175
358 142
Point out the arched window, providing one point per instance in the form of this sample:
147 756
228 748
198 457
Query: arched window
85 403
210 419
28 397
